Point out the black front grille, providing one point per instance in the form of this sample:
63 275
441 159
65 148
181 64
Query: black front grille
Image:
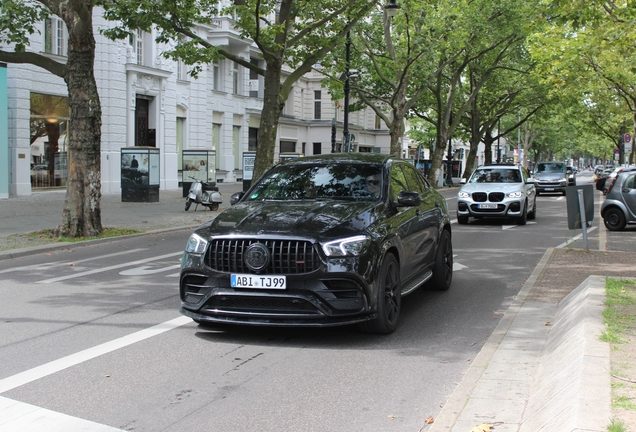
287 256
495 196
280 305
479 196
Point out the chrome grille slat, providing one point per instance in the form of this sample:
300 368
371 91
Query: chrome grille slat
288 256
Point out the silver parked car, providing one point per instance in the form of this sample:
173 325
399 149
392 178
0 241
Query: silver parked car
498 190
619 207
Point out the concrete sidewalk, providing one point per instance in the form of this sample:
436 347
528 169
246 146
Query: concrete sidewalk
543 368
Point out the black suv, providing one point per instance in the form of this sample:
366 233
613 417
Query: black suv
320 241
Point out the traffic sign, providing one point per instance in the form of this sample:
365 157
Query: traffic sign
627 138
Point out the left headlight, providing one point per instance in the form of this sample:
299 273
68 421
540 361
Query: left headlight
350 246
517 194
196 244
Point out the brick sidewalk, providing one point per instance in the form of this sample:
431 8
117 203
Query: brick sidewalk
568 268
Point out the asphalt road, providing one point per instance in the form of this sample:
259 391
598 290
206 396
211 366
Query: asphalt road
94 332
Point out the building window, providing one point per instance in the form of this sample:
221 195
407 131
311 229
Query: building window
287 147
136 41
317 148
252 143
216 142
55 36
236 79
317 104
180 141
253 79
49 140
236 146
216 75
182 70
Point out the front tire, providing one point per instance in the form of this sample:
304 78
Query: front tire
462 220
389 299
443 268
533 215
614 219
188 204
524 216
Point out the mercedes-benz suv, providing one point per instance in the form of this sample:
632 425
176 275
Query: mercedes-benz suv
320 241
498 190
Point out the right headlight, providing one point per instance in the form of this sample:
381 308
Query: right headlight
463 194
350 246
196 244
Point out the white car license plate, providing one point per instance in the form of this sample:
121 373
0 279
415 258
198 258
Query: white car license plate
549 189
487 206
258 281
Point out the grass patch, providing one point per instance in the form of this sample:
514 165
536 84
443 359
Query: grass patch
106 233
623 402
618 318
616 426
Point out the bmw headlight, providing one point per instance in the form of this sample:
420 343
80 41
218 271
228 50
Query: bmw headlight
517 194
196 244
350 246
463 194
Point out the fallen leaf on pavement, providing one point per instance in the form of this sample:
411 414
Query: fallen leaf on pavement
429 420
481 428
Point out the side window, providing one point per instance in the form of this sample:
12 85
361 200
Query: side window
413 179
629 182
398 182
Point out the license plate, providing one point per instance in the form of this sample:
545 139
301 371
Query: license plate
487 206
549 189
257 281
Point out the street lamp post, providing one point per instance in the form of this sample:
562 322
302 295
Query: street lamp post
449 162
498 129
391 10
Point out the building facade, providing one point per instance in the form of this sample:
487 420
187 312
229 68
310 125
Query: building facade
150 101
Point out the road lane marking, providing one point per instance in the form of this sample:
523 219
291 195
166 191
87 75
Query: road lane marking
49 265
145 270
113 267
573 239
50 368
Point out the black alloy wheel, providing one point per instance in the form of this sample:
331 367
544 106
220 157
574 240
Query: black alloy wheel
443 269
614 219
389 299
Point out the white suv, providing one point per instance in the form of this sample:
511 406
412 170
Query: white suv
497 190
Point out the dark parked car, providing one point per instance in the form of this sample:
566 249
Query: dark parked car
619 207
320 241
551 177
608 182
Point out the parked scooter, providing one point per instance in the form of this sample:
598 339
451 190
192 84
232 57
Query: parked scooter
206 194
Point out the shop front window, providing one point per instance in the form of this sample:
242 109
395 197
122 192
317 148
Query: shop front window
49 140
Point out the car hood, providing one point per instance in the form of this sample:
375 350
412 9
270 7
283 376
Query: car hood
549 176
491 187
311 219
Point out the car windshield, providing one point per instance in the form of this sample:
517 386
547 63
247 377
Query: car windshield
495 175
320 181
554 167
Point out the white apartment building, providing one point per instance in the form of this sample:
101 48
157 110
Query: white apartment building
148 100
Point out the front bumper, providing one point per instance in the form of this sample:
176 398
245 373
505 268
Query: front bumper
551 187
329 296
509 207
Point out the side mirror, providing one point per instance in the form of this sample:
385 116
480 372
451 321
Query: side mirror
409 199
236 197
530 180
462 181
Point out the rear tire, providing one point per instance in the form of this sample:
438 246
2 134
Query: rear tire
389 300
214 206
443 269
614 219
188 204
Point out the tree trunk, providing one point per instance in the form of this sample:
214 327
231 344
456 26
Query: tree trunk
82 211
273 104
